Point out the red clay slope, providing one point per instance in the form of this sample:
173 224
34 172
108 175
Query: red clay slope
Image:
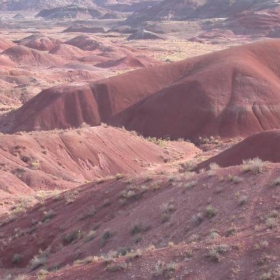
40 42
230 93
234 92
48 160
71 105
264 145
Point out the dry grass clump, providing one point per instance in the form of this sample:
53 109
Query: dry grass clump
72 237
87 260
255 165
210 211
167 209
235 179
215 253
40 259
272 219
132 192
48 215
165 269
190 185
138 228
116 266
90 236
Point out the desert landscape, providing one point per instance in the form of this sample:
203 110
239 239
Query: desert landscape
139 139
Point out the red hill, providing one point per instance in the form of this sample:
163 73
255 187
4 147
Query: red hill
230 93
234 92
40 42
31 57
262 145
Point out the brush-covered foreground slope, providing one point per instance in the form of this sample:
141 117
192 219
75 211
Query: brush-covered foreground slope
264 145
185 226
65 159
230 93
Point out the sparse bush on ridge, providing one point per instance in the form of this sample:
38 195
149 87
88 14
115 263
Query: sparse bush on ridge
235 179
190 185
40 259
165 269
215 253
48 215
253 165
90 236
116 266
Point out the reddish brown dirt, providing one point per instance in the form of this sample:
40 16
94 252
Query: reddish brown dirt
243 229
230 93
262 145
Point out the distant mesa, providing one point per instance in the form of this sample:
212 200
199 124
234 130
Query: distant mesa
71 12
113 15
84 29
31 5
19 16
145 35
125 29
